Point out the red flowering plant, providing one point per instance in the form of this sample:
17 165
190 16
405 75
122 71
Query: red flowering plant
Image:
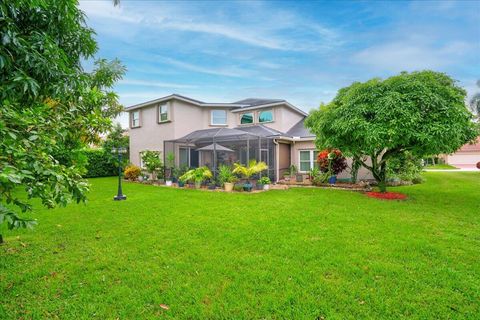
332 161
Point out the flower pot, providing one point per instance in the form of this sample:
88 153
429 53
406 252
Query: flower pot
266 187
168 183
260 186
247 186
332 180
181 184
212 187
198 184
228 186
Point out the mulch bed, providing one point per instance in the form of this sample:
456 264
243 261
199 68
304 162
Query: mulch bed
387 195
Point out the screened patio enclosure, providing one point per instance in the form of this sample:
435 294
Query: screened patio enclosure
223 146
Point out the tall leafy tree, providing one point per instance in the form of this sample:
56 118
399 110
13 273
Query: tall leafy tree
48 103
475 101
420 112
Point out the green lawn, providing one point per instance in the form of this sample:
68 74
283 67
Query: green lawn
299 254
441 166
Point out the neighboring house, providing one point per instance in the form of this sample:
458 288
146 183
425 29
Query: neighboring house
269 130
466 157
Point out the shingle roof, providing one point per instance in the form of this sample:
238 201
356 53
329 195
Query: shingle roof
252 102
299 130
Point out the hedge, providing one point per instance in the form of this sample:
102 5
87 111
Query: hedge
99 164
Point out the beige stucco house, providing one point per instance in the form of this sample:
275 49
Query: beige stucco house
465 157
200 133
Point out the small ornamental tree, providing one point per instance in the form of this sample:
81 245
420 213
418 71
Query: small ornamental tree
152 162
420 112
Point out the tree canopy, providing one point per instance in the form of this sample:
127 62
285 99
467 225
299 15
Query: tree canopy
420 112
49 103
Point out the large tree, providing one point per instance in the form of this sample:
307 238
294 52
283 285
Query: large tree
420 112
48 103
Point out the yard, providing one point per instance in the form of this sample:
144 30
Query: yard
299 254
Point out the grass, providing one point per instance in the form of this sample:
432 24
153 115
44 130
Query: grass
441 166
303 253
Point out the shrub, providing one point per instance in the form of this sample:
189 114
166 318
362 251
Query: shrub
332 161
132 172
405 167
264 180
253 167
99 164
153 164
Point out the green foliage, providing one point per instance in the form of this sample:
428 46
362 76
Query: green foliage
116 138
420 112
153 164
317 177
405 167
48 102
225 174
264 180
99 164
253 167
197 175
132 172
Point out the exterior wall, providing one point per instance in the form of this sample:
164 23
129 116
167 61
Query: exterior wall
363 174
183 119
463 158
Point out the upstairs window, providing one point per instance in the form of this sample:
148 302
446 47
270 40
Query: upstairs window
219 117
246 118
265 116
135 117
163 113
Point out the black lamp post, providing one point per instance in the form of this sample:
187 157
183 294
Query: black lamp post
119 152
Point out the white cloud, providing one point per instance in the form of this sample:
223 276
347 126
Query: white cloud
411 55
159 84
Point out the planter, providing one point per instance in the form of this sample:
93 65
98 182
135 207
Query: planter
266 187
260 186
212 187
168 183
228 186
161 180
181 184
198 184
332 180
247 186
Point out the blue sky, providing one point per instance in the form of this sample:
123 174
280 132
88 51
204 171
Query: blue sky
299 51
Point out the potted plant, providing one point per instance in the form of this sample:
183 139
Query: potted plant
226 177
198 175
253 167
170 164
331 162
264 182
212 185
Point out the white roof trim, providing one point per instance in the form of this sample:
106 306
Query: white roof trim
174 96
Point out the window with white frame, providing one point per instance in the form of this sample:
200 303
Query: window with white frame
218 117
246 118
135 117
163 113
265 116
307 160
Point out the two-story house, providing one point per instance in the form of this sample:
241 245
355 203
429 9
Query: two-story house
201 133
